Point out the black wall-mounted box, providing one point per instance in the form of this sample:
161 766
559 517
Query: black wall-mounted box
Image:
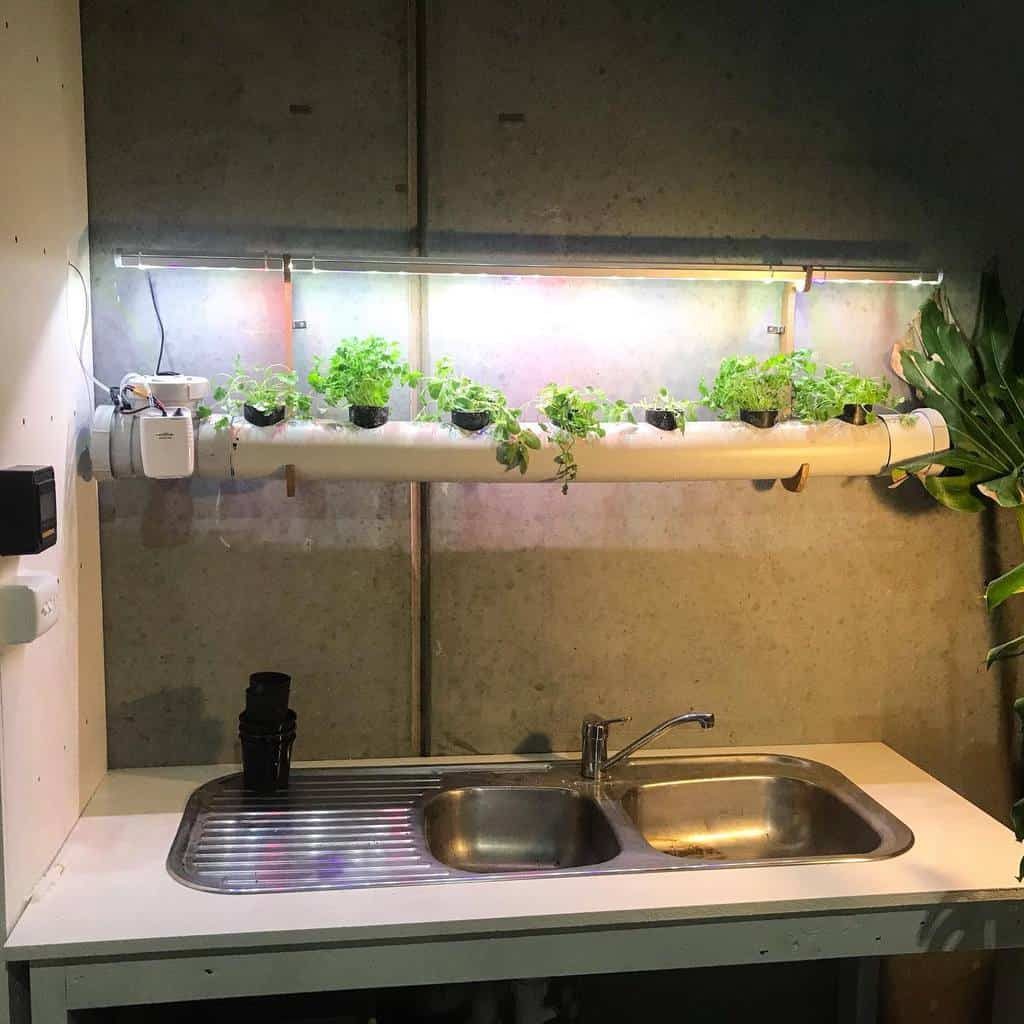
28 510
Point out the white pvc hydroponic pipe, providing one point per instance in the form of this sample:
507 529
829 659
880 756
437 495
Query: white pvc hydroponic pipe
401 451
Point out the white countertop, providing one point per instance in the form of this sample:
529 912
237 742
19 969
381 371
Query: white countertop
109 892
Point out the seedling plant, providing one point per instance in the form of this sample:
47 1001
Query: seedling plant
265 388
682 409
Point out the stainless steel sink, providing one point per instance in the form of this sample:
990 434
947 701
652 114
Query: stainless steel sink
359 827
768 817
517 828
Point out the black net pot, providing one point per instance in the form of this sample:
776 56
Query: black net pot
762 418
856 414
259 418
473 421
266 753
663 419
266 698
368 416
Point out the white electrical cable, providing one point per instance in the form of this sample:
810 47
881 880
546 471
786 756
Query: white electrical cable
81 340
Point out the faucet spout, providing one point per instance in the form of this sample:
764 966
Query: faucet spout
595 759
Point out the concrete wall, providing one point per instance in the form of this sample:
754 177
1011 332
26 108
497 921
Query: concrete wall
633 129
51 691
739 130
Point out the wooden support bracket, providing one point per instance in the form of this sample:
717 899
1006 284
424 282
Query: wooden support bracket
289 349
798 481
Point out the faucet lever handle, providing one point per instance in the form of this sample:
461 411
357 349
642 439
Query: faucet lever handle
595 729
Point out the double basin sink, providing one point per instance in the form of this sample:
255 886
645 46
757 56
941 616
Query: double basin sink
360 827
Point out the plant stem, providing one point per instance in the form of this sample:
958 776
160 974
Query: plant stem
1019 513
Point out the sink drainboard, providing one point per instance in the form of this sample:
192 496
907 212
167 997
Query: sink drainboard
328 830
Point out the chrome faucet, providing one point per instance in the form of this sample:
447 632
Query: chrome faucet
595 760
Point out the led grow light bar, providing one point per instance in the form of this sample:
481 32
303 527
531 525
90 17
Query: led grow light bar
624 270
799 276
192 261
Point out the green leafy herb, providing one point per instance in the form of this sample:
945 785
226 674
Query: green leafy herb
265 388
362 371
822 398
744 383
569 415
446 391
682 408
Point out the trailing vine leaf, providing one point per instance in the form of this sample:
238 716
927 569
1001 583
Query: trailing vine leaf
446 391
571 414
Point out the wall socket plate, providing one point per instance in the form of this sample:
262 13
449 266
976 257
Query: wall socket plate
28 607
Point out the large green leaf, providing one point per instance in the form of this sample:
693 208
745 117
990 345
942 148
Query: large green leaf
957 492
1001 356
958 372
1016 365
955 458
932 318
957 354
997 395
1004 490
1011 649
991 306
943 391
1004 586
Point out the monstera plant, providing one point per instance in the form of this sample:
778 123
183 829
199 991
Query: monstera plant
977 383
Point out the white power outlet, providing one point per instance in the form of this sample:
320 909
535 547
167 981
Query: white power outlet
28 607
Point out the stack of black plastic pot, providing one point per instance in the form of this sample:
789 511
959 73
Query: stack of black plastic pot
267 730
